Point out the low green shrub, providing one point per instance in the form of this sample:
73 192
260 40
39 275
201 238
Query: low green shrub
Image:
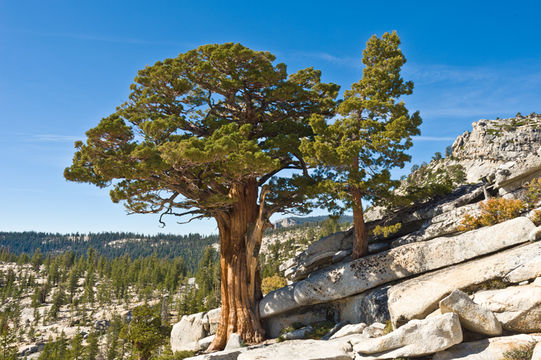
493 284
523 352
320 329
388 327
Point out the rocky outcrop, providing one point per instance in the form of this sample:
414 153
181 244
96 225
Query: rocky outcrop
518 308
513 265
416 338
368 307
487 349
472 316
492 143
357 276
420 223
513 174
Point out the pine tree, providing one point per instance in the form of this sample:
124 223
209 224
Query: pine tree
73 279
37 259
145 331
58 300
112 339
8 339
92 349
369 137
76 347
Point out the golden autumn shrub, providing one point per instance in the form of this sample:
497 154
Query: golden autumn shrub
493 211
272 283
386 230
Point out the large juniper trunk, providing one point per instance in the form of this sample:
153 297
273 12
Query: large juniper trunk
240 238
360 244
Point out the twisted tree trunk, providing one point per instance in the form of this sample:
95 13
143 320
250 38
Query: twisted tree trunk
241 230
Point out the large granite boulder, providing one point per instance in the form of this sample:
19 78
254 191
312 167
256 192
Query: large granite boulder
220 355
487 349
416 338
302 349
512 265
472 316
211 320
518 308
234 342
340 281
186 334
189 333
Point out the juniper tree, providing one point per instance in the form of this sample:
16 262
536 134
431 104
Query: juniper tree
208 134
368 137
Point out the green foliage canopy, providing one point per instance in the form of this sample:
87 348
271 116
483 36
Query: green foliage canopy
199 123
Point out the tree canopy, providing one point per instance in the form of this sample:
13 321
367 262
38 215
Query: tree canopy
197 124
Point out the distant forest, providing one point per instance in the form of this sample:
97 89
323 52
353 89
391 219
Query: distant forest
112 244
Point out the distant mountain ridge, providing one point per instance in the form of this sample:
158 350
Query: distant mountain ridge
111 244
297 220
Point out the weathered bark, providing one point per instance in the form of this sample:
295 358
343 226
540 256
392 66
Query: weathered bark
360 244
241 229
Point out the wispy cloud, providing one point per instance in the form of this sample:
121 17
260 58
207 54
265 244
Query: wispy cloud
430 74
476 92
333 59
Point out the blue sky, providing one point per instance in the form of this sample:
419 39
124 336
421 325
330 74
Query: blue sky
66 64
